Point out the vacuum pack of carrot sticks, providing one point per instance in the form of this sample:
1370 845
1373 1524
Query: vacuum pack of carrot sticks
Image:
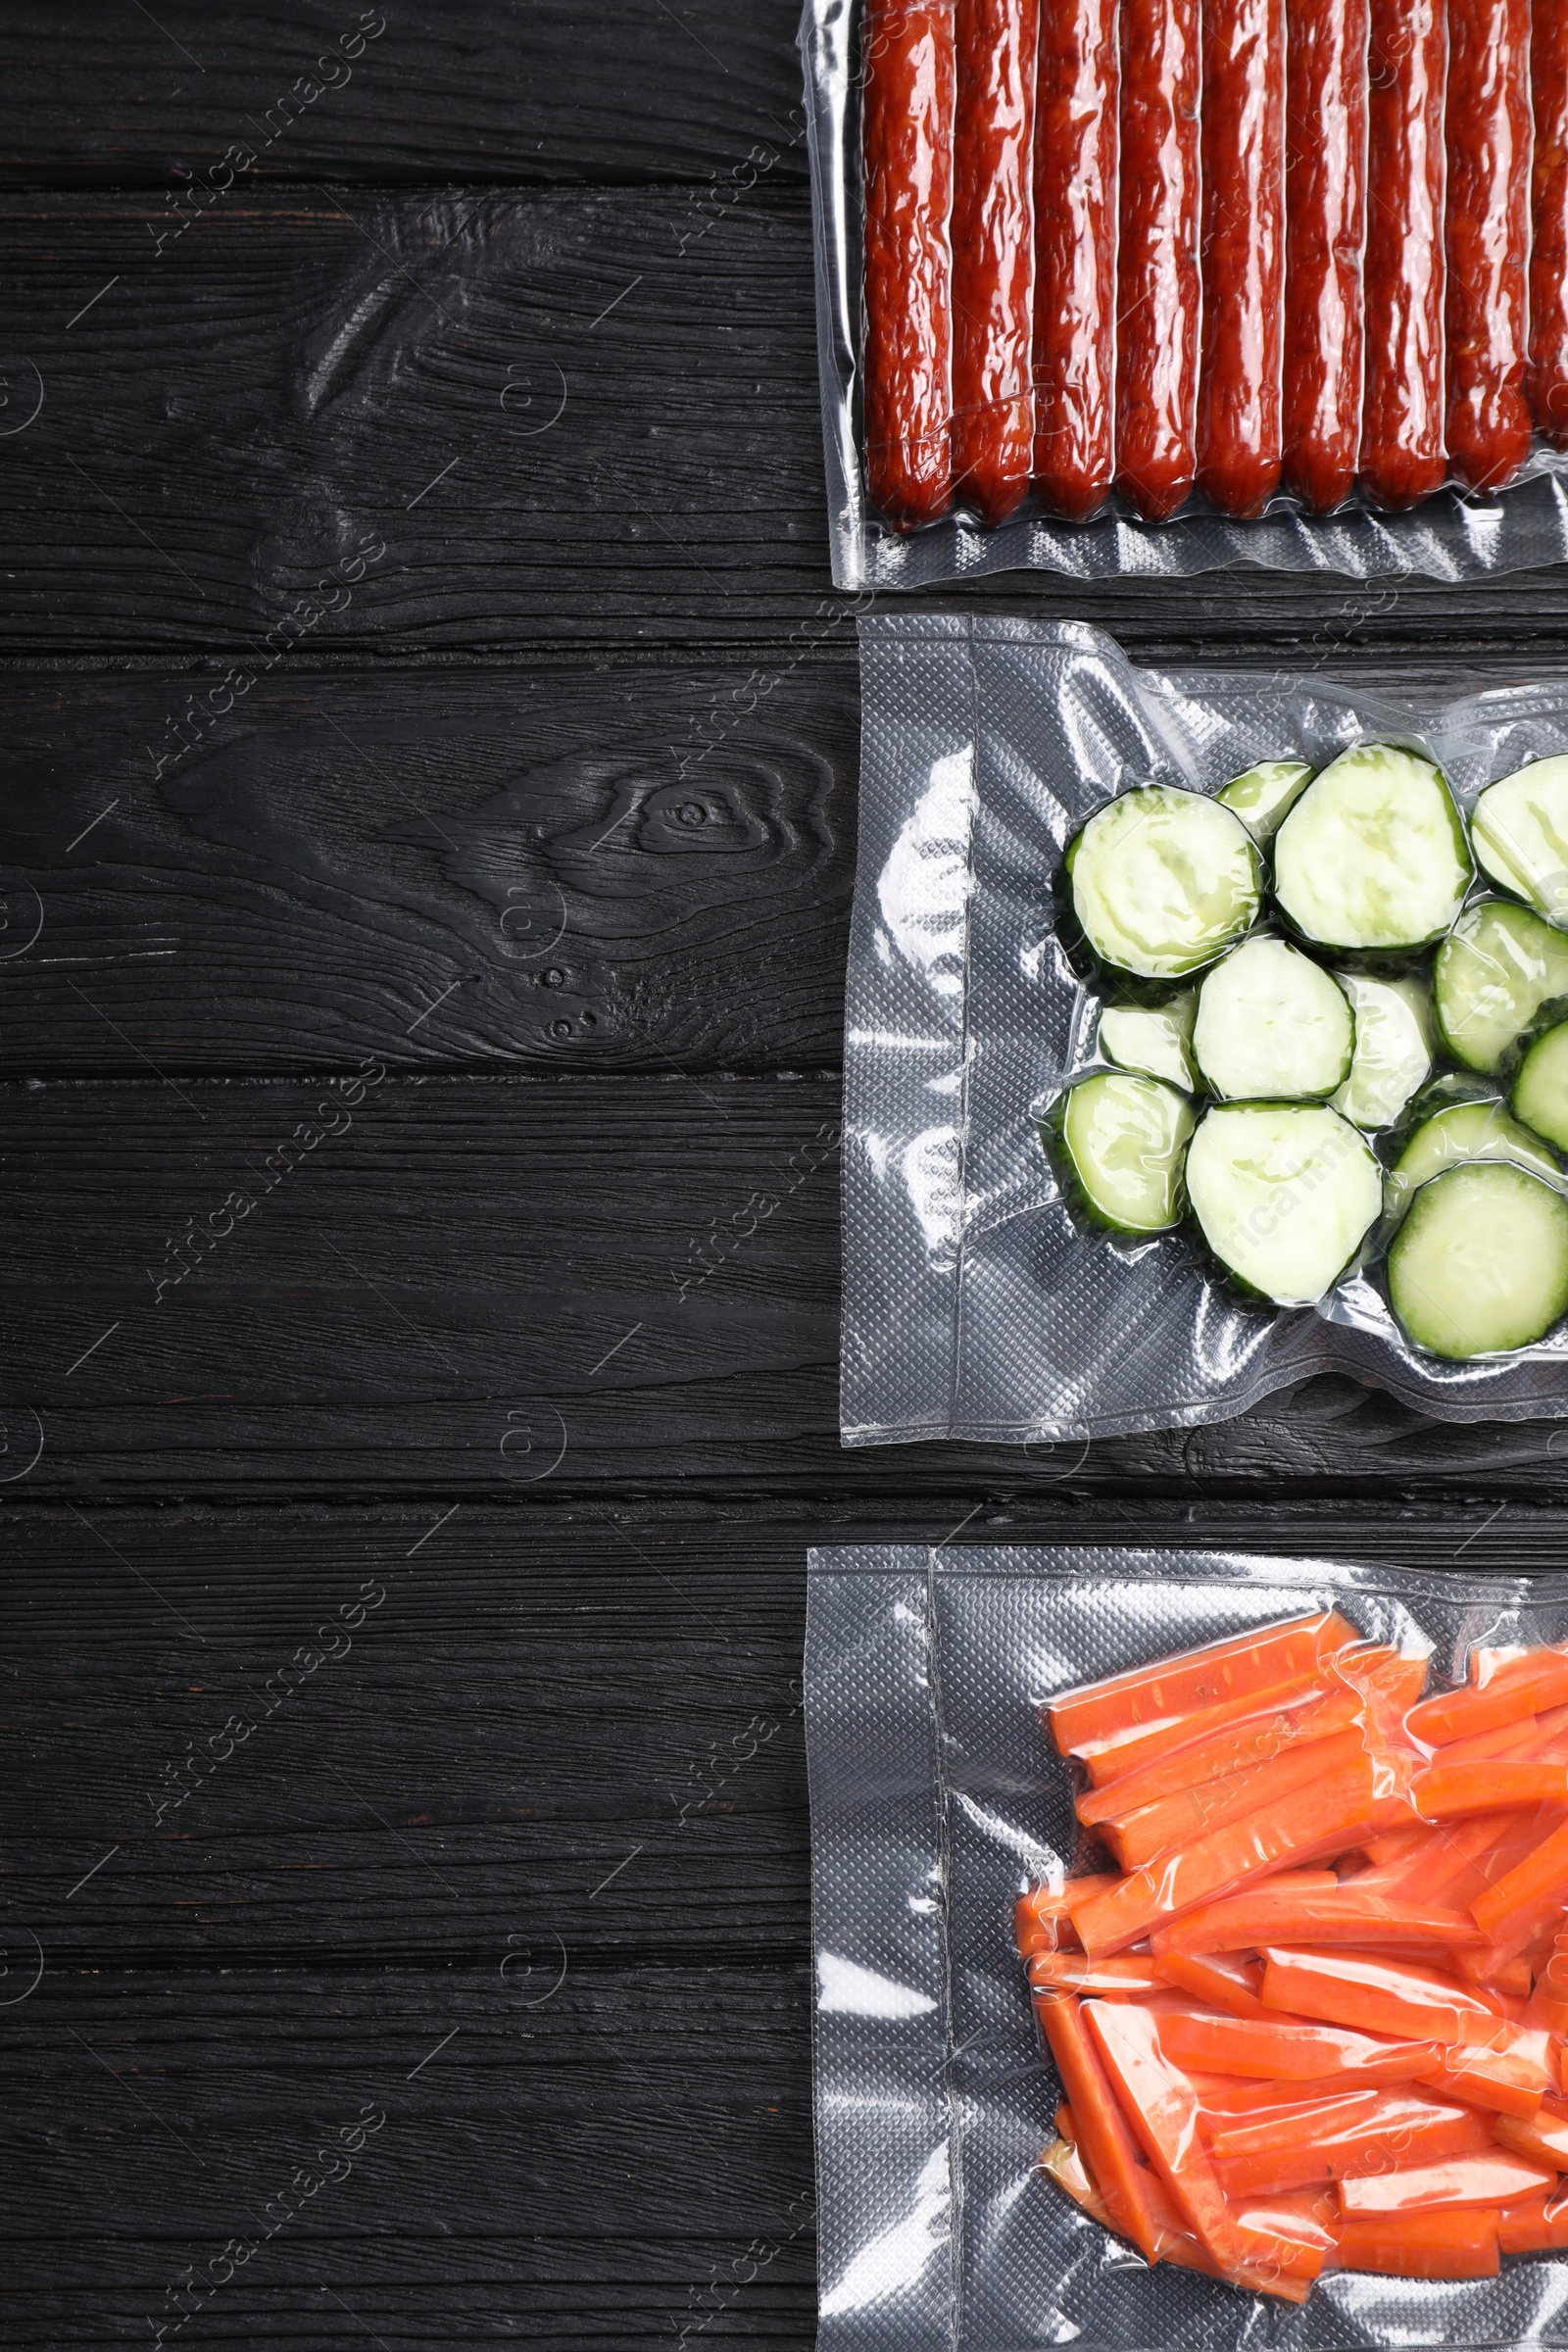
1205 1031
1156 287
1192 1951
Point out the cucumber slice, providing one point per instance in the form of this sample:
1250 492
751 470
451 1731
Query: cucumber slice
1284 1193
1164 881
1154 1040
1123 1139
1480 1265
1272 1025
1393 1048
1265 795
1541 1089
1465 1133
1373 855
1520 831
1494 974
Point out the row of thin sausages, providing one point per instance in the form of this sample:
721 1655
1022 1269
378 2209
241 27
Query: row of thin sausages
1244 245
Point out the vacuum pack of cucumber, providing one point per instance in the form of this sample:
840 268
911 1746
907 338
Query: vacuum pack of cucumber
1207 1031
970 2190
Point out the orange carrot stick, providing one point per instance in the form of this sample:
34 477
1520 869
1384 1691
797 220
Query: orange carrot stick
1377 1994
1102 2131
1075 1972
1505 1690
1421 2245
1535 2225
1498 2081
1228 1984
1162 2108
1312 1820
1297 2126
1273 2096
1405 2130
1343 1913
1545 2139
1525 1896
1043 1918
1181 1820
1487 1785
1495 2177
1289 2049
1172 1688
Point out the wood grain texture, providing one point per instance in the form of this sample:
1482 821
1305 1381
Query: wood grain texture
528 90
539 866
481 1286
571 418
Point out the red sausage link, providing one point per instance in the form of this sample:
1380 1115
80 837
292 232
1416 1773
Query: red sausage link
1159 297
1548 266
906 151
1325 217
1489 238
1403 453
1076 140
993 253
1238 429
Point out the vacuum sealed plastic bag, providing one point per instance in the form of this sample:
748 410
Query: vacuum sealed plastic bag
1054 1223
980 2179
1161 289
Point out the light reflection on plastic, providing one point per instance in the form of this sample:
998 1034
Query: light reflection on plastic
893 2262
845 1989
923 888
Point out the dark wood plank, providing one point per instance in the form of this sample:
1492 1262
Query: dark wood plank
569 419
444 2155
468 1287
526 90
506 867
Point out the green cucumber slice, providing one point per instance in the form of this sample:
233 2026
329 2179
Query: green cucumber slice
1393 1048
1124 1139
1493 974
1265 795
1480 1265
1461 1136
1373 855
1164 881
1541 1089
1285 1193
1520 831
1272 1025
1154 1040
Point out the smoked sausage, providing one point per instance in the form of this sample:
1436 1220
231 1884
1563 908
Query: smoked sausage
1403 452
1325 216
1547 382
993 253
906 151
1076 140
1239 445
1159 294
1488 137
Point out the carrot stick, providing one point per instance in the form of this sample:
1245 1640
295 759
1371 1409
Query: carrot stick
1535 2225
1525 1896
1190 1814
1102 2132
1067 2169
1488 1785
1273 2096
1496 2079
1405 2130
1296 2127
1228 1984
1172 1688
1289 2049
1544 2140
1495 2177
1507 1690
1377 1994
1309 1820
1162 2108
1043 1918
1074 1972
1421 2245
1270 1914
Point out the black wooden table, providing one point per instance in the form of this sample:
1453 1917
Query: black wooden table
425 844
